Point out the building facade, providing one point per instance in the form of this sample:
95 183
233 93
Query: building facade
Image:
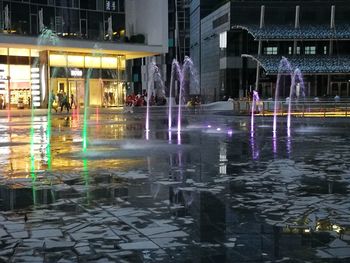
71 45
242 44
178 47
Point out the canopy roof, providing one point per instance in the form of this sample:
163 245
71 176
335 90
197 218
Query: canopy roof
285 32
306 64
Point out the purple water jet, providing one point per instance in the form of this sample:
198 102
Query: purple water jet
256 100
182 73
296 90
284 67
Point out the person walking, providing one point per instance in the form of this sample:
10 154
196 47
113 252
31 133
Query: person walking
54 104
64 102
1 102
72 102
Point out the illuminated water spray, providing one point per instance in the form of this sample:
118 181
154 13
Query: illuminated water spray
96 53
296 89
183 74
154 78
256 100
284 68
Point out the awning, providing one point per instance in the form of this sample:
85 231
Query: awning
306 64
306 32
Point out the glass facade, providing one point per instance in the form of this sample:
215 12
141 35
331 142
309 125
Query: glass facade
84 19
28 74
104 74
26 77
15 65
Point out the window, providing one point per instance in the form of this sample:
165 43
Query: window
220 21
325 50
298 50
311 50
270 50
290 50
223 40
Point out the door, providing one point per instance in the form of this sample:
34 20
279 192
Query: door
344 89
76 88
334 88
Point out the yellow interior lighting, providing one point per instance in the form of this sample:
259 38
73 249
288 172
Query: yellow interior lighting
20 52
75 61
58 60
109 62
122 63
3 51
92 62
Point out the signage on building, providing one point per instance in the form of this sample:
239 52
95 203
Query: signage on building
76 73
110 5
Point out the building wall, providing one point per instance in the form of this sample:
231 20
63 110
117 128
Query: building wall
195 32
211 27
225 72
149 18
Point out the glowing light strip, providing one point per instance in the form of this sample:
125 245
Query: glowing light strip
43 82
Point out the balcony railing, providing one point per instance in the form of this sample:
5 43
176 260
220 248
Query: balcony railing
306 108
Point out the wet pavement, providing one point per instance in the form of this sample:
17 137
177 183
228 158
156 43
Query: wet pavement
216 193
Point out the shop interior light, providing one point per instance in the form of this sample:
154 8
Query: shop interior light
34 70
36 98
36 81
35 87
36 104
36 92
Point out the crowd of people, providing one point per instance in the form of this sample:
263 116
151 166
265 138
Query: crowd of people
63 101
141 100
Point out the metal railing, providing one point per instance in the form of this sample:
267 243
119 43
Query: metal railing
306 108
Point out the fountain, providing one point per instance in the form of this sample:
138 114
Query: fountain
154 76
256 100
296 88
182 74
284 67
86 100
46 37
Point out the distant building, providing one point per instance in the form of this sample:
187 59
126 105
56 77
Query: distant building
64 46
178 46
239 35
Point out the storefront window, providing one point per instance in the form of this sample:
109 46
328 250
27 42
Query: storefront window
113 93
20 92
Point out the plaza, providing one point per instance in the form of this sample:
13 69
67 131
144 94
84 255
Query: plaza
174 131
217 195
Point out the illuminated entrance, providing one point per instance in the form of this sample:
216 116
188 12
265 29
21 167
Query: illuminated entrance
107 75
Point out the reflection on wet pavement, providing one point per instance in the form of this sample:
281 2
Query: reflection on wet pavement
217 194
